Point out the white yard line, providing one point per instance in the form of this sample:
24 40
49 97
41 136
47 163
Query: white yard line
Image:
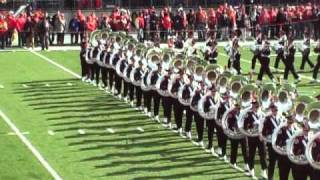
110 130
56 64
14 134
272 68
34 151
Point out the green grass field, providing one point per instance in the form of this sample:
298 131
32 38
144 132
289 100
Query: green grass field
39 99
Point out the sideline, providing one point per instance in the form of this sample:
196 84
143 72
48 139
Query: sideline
34 151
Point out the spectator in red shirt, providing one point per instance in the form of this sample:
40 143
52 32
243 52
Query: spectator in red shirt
20 22
201 21
212 21
264 21
141 26
166 24
11 21
3 31
90 24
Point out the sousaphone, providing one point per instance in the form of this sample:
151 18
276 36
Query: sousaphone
154 74
175 82
235 85
313 115
285 100
197 93
223 81
313 151
296 148
300 107
247 125
267 91
230 123
280 138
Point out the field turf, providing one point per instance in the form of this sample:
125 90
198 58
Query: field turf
69 123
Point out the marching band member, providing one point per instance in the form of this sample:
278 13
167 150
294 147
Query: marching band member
198 92
233 119
289 53
301 172
177 107
271 122
105 55
210 102
128 88
317 66
234 60
117 79
211 53
189 113
224 105
306 51
264 60
114 55
284 134
280 49
256 52
154 94
84 66
253 117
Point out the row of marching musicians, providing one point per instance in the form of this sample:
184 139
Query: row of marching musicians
277 122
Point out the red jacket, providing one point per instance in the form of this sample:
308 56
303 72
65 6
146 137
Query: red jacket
3 26
166 22
11 23
20 22
141 22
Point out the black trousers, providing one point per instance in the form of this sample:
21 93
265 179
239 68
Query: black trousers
167 103
315 174
156 102
3 40
279 57
104 76
128 89
284 165
222 139
84 67
189 117
289 67
235 65
91 71
147 100
301 172
234 150
199 125
178 111
254 60
138 95
264 69
118 83
96 72
75 37
316 68
44 38
111 77
273 156
211 127
253 144
306 59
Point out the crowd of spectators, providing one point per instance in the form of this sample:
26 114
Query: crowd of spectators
36 27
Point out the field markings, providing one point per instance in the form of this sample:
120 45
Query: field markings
51 133
56 64
1 86
25 86
14 134
272 68
34 151
140 129
81 131
110 130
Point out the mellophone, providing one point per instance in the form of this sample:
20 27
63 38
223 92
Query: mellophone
174 74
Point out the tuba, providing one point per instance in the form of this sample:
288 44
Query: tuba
121 67
222 82
247 93
296 148
136 76
163 81
175 83
230 123
300 107
197 87
267 127
285 100
154 73
314 115
266 94
235 85
280 138
313 151
185 92
247 123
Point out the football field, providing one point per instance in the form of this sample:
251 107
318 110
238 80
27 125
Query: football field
54 126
